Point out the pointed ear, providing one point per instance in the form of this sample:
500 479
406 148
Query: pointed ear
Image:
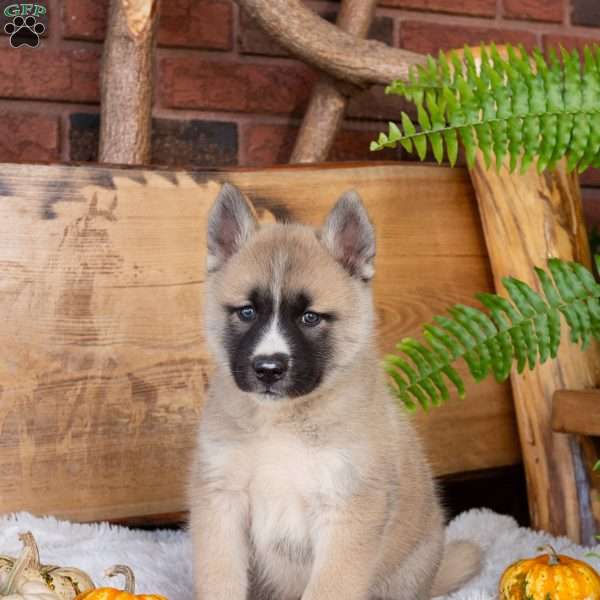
349 236
231 223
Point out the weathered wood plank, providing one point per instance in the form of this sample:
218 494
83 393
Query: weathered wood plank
102 365
528 219
576 411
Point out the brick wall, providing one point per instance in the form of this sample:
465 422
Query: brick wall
228 95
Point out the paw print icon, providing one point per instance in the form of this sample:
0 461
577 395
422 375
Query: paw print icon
24 32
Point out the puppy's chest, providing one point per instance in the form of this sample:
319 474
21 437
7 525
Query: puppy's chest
291 489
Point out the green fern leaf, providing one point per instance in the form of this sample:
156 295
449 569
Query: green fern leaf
523 328
525 106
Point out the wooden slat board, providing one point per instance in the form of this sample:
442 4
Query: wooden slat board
576 411
102 364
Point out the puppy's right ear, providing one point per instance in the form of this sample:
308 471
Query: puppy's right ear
231 223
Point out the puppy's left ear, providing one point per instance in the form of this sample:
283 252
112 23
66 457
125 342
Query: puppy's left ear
349 236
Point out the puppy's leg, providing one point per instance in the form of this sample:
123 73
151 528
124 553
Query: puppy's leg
218 522
347 548
414 577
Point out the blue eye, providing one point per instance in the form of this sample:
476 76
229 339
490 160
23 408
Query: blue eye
246 313
310 319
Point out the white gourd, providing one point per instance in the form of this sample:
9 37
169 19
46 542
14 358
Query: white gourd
64 582
25 580
32 590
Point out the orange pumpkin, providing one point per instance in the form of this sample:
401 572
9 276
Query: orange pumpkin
128 593
550 576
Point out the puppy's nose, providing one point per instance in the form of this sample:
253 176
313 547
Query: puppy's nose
270 369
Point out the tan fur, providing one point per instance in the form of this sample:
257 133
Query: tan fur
323 497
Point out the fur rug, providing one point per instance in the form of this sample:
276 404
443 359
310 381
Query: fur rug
161 559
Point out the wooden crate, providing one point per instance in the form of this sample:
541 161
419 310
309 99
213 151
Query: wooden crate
102 363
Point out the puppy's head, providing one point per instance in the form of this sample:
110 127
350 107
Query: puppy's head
288 308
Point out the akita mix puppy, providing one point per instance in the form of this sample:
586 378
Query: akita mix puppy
309 482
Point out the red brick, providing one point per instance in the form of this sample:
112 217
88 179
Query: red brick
84 19
352 145
193 82
252 39
485 8
536 10
590 178
586 12
273 144
590 198
570 42
267 145
429 38
184 23
196 24
28 137
72 75
375 104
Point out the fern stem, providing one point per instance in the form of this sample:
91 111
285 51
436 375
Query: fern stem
495 120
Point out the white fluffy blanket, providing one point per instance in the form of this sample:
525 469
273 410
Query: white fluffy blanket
161 559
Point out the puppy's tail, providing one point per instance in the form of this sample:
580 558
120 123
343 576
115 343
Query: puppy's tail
461 561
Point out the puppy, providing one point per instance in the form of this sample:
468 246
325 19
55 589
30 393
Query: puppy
309 482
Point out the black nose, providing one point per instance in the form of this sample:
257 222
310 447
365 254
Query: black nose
270 369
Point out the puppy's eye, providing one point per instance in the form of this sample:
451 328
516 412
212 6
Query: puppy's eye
246 313
310 319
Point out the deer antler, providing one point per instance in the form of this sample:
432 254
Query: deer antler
127 79
139 15
325 111
327 47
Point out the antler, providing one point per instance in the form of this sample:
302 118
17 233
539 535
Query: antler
139 15
127 78
327 47
128 69
325 111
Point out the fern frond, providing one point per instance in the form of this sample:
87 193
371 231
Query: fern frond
519 105
523 328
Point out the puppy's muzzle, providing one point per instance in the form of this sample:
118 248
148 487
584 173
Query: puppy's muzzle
270 369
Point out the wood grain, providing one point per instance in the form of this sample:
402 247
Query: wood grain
103 367
576 411
528 219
